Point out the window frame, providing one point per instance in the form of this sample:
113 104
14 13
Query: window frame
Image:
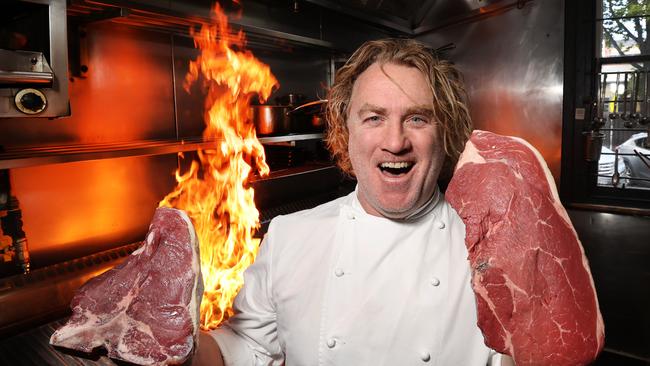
578 181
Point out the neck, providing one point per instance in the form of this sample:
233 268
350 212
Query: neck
411 215
427 207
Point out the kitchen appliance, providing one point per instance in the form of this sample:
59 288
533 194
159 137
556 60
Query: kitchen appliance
34 59
271 119
285 119
309 117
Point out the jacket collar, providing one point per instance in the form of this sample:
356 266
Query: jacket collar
422 211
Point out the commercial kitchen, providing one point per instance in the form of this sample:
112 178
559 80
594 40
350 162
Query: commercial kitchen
100 122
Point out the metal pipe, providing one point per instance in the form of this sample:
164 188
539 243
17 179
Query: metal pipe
645 96
614 114
171 36
623 114
25 77
644 159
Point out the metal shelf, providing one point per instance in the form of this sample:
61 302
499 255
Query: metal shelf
43 155
307 168
287 138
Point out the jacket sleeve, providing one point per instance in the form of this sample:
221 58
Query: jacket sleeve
497 359
250 336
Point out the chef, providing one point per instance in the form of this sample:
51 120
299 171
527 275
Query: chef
380 276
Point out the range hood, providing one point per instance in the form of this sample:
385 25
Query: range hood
414 17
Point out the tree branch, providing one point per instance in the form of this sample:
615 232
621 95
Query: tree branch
631 35
639 30
645 46
614 43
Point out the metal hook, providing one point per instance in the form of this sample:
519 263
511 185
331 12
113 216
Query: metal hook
615 177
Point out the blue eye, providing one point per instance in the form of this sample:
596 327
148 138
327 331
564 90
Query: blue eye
418 120
373 119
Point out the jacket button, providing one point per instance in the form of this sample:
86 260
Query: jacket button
435 281
339 272
331 343
441 225
425 356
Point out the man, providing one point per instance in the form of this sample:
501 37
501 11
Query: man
379 277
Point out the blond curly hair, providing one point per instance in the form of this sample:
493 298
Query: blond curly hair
449 96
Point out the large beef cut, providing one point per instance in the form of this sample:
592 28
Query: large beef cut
535 296
145 310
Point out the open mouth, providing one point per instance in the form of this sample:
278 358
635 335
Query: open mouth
396 168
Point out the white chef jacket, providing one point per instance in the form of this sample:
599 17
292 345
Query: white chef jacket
334 285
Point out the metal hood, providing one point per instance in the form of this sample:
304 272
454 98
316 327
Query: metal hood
413 17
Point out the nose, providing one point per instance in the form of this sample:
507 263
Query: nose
395 139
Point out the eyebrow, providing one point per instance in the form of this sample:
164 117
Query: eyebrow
420 109
366 107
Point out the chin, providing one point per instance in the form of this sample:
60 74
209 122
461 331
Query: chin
395 209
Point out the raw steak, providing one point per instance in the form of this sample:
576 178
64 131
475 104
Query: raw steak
145 310
535 296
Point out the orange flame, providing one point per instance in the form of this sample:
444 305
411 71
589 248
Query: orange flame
213 192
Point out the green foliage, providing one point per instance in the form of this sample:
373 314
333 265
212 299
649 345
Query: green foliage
625 24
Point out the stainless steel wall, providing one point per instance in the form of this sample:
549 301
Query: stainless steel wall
127 95
513 68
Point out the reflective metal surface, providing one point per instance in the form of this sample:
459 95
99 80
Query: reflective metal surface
21 67
513 68
617 249
126 96
445 13
56 93
89 205
34 156
77 185
411 17
179 16
57 283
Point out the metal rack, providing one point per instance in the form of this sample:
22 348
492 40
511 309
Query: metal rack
622 123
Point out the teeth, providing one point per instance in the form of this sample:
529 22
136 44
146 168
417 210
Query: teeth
395 165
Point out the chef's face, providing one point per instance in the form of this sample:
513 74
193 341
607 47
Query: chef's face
394 143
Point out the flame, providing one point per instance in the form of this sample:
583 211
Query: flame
214 190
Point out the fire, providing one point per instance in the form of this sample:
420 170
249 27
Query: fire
214 191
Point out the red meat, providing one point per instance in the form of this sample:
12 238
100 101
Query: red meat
535 295
146 310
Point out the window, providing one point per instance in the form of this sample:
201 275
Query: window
623 28
622 122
